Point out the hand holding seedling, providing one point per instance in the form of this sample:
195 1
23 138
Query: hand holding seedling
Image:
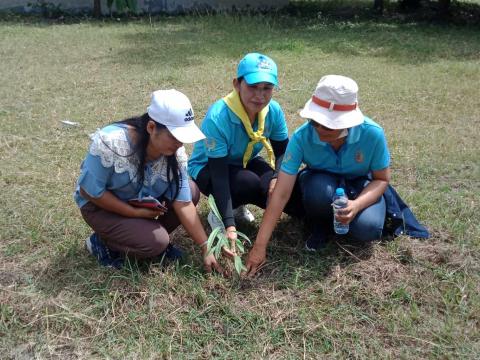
228 243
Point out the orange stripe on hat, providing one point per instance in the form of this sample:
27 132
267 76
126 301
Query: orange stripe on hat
331 106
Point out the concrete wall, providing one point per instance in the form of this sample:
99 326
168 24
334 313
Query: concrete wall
146 6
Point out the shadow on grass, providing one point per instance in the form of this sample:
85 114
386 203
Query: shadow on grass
190 41
289 266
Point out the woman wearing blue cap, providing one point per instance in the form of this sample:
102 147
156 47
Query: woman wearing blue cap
133 189
227 163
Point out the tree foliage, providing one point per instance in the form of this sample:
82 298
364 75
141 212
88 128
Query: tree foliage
121 6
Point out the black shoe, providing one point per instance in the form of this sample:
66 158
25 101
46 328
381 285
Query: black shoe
172 253
317 240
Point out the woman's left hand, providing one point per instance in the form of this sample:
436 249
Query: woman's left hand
347 214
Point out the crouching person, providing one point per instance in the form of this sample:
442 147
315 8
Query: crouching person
142 158
340 147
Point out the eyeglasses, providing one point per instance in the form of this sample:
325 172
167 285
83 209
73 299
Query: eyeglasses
317 125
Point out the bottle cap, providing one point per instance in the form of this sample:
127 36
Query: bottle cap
339 192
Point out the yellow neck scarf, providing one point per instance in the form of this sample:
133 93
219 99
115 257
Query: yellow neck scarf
233 102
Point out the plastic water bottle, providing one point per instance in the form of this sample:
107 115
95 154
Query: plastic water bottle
340 201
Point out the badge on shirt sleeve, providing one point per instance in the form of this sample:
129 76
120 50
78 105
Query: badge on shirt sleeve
210 144
286 158
359 156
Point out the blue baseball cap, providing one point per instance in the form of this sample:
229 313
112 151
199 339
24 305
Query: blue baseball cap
255 68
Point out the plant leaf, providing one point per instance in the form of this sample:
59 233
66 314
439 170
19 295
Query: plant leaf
217 250
242 235
211 238
226 242
240 246
218 247
238 264
213 206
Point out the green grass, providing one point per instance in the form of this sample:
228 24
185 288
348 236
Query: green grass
400 299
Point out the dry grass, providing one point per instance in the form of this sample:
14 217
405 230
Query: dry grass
400 299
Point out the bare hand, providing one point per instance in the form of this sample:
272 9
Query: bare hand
347 214
210 263
148 213
256 258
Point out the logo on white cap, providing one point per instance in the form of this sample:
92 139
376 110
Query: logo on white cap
189 116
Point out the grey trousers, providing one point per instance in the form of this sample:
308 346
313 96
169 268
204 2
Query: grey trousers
136 237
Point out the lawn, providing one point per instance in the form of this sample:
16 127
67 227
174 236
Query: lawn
402 298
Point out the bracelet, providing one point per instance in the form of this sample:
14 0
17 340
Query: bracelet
204 243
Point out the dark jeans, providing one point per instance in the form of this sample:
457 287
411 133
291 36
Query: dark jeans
137 237
250 186
317 190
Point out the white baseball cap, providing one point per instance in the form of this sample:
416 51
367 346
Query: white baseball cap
173 109
334 103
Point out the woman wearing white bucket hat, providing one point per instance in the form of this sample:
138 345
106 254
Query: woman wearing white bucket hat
340 147
142 159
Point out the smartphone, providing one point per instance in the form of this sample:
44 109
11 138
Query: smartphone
148 202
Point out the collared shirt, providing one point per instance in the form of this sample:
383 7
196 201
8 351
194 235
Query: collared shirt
365 150
226 136
109 166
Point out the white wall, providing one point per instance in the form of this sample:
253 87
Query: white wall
170 6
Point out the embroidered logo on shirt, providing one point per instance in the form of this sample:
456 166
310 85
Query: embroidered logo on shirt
286 158
189 116
210 144
359 157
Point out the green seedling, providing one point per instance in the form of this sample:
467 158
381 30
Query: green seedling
218 240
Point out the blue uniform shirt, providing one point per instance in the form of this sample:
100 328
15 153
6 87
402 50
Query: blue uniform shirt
226 136
365 150
108 167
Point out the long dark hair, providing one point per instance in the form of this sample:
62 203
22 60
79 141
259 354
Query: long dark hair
139 124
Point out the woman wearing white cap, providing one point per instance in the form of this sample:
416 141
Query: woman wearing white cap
237 127
141 159
340 147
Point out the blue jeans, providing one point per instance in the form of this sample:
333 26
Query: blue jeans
317 190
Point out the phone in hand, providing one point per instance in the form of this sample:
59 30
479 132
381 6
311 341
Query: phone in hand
148 202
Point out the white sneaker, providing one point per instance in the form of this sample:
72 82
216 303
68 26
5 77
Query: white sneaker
242 214
214 222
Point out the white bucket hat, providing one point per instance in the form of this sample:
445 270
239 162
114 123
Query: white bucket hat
173 109
334 103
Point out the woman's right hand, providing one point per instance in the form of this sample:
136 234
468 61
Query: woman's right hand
256 258
210 263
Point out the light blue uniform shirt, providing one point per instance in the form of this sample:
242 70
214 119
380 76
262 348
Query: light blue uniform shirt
108 167
365 150
226 136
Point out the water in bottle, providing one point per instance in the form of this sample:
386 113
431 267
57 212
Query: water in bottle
340 201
